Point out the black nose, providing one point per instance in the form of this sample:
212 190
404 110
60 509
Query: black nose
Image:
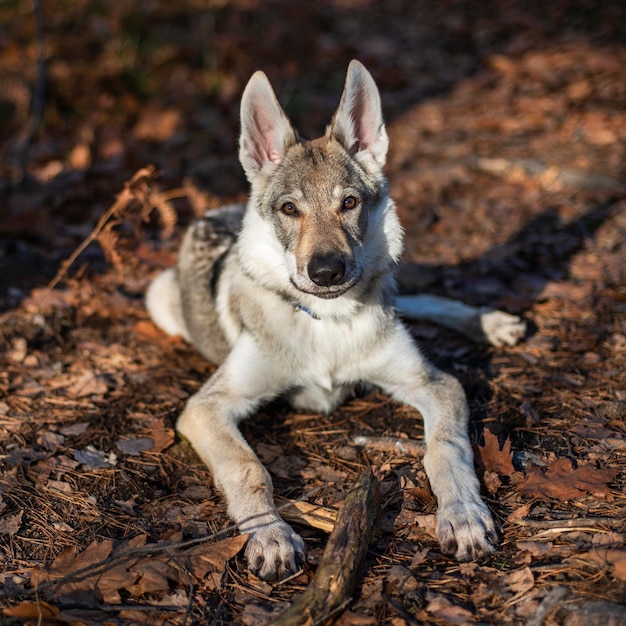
326 270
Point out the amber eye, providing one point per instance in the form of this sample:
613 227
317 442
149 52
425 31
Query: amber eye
289 208
350 203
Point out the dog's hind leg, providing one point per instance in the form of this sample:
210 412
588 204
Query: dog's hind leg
209 423
483 325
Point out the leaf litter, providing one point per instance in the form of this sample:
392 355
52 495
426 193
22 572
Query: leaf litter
507 165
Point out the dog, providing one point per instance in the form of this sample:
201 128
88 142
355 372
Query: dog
294 295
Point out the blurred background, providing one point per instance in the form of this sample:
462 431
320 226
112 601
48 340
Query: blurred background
90 91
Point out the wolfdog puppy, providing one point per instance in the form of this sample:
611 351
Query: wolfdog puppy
294 295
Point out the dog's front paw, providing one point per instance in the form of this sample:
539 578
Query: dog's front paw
466 530
500 328
275 551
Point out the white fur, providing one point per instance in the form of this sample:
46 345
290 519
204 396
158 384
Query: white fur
164 304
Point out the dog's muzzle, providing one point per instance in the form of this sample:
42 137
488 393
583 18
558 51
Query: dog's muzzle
328 276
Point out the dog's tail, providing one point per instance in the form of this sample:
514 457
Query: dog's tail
163 301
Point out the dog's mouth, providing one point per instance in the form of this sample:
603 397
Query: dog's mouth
326 293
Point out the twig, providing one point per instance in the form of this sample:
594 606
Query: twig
342 560
568 524
410 447
144 175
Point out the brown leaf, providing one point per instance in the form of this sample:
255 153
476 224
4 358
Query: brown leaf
11 524
535 548
119 576
87 384
68 562
495 459
32 610
152 577
615 558
519 513
212 557
521 580
450 613
563 482
162 436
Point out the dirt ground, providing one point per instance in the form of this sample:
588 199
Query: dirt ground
507 123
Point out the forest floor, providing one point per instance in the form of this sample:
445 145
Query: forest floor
507 123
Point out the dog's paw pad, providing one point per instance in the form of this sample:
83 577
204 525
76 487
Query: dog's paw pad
275 551
466 530
500 328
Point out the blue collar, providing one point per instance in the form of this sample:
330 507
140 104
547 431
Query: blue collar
300 307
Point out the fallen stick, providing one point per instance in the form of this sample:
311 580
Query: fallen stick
340 566
410 447
301 512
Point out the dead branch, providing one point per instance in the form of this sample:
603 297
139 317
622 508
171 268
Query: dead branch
409 447
132 189
342 561
568 524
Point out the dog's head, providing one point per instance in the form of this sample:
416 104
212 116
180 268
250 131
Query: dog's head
321 205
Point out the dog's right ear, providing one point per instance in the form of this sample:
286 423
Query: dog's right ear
266 133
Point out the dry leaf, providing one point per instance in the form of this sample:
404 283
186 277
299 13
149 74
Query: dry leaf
11 524
119 576
428 523
134 445
520 513
563 482
521 580
162 437
450 613
493 458
32 610
95 459
87 384
535 548
152 577
614 558
212 557
68 562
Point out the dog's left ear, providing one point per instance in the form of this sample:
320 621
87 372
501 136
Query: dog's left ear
358 123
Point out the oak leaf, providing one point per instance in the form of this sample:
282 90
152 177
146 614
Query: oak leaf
494 458
563 482
68 563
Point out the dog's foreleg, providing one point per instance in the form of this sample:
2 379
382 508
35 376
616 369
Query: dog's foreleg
465 527
484 324
209 423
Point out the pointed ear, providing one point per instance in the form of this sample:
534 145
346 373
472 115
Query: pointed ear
266 133
358 123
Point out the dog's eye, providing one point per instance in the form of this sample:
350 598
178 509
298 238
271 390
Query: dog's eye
350 203
289 208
